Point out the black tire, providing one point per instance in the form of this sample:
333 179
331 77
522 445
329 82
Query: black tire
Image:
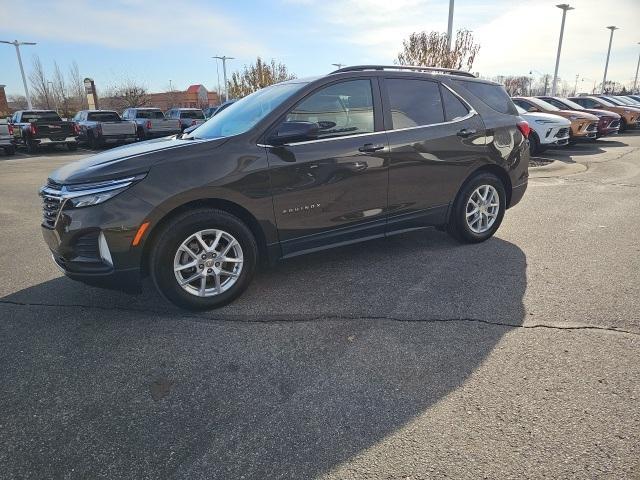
534 144
91 141
623 125
32 147
72 147
458 227
177 231
10 150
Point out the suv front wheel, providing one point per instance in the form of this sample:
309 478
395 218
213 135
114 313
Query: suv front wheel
478 209
203 259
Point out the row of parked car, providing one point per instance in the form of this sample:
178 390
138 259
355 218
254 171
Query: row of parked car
33 129
559 121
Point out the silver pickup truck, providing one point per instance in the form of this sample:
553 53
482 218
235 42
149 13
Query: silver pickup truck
104 127
151 123
7 141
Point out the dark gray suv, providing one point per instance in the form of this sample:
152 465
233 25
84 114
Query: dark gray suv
296 167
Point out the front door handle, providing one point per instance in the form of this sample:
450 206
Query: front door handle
464 133
370 148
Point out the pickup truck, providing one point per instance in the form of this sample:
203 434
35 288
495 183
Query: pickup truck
36 128
151 123
104 127
188 117
7 142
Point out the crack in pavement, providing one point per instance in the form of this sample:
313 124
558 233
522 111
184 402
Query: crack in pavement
306 318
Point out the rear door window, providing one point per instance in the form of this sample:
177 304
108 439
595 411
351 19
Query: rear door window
192 114
453 107
414 103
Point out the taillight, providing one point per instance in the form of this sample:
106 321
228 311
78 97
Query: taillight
32 128
10 129
76 129
148 124
524 128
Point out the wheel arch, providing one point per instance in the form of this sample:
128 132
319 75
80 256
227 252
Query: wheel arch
218 203
496 170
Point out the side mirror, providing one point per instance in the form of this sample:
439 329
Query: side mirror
294 132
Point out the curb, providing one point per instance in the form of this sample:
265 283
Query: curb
556 169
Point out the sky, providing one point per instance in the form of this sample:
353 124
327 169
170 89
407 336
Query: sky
156 41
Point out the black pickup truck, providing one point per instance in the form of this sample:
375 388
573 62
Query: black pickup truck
36 128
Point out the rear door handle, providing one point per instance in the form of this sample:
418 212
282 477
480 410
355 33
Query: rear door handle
464 133
370 148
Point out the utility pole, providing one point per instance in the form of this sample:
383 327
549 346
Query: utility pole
606 65
564 7
450 25
17 44
224 59
635 82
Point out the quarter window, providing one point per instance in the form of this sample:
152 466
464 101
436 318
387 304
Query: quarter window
414 103
340 109
453 107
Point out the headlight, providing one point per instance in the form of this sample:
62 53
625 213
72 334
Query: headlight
544 121
87 194
573 117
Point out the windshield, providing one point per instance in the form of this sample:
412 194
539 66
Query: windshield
36 117
572 105
543 105
197 114
613 101
154 114
245 113
103 117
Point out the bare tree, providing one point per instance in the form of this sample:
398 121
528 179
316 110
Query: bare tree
173 96
76 87
128 94
256 76
429 49
17 102
41 96
516 85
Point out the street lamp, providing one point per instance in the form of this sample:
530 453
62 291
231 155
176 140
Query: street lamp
635 82
17 44
339 65
450 25
564 7
606 65
224 59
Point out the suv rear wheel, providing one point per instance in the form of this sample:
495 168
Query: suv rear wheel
478 209
203 259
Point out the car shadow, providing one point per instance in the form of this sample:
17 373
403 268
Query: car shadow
323 357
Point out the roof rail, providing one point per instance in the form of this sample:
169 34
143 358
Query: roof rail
413 68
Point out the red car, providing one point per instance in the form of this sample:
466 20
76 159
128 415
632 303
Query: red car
608 122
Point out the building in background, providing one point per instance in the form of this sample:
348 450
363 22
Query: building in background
196 96
4 105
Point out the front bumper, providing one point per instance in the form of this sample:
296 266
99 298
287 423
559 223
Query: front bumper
93 244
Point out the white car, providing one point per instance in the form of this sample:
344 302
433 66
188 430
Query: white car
547 130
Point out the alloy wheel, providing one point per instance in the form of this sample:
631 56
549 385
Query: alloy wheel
208 263
482 208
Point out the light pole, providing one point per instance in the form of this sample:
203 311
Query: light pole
339 65
606 65
575 88
17 44
224 59
564 7
635 82
450 25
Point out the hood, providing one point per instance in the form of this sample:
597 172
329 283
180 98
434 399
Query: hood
130 159
577 113
601 113
558 119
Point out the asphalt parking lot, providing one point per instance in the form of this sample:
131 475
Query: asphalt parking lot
406 358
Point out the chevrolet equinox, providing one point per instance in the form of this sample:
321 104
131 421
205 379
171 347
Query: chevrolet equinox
304 165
